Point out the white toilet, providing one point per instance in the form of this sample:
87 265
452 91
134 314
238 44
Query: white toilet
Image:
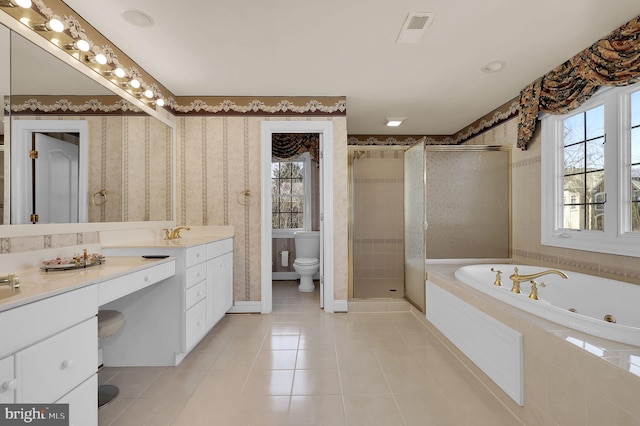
307 261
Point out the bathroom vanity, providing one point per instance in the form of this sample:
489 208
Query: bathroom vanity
183 312
49 345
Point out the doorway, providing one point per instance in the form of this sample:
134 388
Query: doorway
38 157
325 131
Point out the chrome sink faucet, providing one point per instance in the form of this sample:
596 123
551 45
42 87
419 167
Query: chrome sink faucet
517 278
10 280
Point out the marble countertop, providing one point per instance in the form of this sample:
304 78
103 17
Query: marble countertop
36 284
189 238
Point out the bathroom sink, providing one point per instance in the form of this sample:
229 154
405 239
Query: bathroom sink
6 292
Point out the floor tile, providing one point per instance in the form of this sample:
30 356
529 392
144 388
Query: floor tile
372 410
324 381
269 382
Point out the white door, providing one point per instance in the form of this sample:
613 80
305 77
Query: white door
22 196
56 180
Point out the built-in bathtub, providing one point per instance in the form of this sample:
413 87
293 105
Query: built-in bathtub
581 302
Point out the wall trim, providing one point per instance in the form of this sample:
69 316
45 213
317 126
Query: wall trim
251 307
340 306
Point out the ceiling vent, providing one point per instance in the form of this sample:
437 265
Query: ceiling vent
414 27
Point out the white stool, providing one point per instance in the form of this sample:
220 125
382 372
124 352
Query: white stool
109 322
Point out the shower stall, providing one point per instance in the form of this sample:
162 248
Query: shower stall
410 204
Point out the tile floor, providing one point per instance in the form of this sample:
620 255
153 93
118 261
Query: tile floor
300 366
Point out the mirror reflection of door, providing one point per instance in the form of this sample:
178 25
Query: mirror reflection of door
55 183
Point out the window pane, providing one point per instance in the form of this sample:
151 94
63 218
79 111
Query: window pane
275 170
285 187
635 145
297 187
595 217
574 189
595 154
595 122
574 129
595 187
635 198
635 216
635 108
573 217
574 158
296 170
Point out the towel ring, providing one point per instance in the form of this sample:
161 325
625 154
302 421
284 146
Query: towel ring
102 197
247 199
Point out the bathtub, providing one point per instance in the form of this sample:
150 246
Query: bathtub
591 297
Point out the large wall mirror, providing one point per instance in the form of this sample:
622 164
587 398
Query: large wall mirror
73 151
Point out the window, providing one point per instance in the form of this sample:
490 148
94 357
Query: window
290 189
591 174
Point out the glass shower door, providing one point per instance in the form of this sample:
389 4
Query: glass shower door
415 224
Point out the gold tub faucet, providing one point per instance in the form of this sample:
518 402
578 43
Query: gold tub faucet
517 278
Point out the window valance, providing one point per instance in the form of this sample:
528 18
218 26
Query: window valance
612 61
289 145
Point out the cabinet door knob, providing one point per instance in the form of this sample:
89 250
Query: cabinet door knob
67 363
147 278
10 385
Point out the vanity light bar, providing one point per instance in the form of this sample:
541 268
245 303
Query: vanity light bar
38 17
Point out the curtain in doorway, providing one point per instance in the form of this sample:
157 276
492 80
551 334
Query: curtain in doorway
288 145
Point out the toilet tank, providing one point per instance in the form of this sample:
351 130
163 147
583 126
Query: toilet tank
307 244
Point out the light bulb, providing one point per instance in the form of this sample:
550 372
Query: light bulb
148 93
22 3
119 72
100 58
82 45
55 25
135 83
51 25
160 102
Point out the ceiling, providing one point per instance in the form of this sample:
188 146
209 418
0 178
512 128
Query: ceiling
348 48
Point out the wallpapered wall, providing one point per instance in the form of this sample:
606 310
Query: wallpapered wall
130 158
525 194
217 159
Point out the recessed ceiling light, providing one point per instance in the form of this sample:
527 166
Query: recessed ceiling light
138 18
493 66
394 121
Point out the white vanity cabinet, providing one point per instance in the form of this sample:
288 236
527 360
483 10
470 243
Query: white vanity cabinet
219 280
198 296
50 349
8 382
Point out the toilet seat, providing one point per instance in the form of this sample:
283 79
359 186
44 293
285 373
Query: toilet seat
306 261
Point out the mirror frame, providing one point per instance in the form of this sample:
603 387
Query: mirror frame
160 114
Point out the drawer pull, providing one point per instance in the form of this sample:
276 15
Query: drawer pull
198 275
10 385
197 254
67 364
147 278
198 294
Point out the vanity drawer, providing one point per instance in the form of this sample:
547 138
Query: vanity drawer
116 288
218 248
8 381
27 324
196 274
196 293
195 255
51 368
83 401
196 324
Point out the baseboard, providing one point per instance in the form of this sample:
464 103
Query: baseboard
252 307
284 276
340 306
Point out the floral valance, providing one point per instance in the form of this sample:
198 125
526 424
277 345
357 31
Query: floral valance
612 61
289 145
